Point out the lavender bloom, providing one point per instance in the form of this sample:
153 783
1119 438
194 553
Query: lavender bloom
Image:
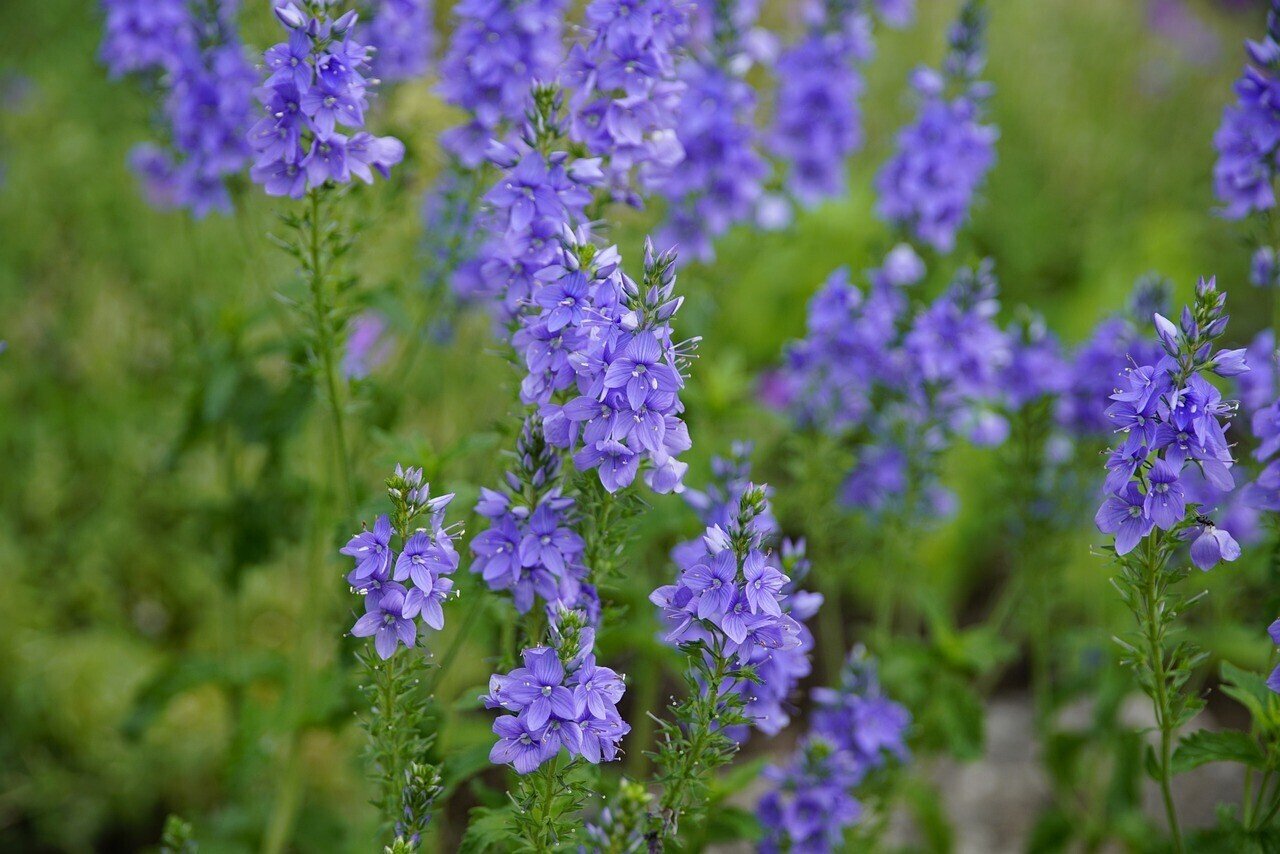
367 347
208 103
530 549
426 561
818 123
316 85
401 32
1262 269
720 181
855 731
1171 418
559 699
627 94
146 35
1250 130
498 49
904 385
388 618
749 606
943 158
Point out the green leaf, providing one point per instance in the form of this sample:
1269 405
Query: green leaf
1205 746
1249 690
488 830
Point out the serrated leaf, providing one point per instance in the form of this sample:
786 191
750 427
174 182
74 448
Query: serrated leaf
1206 746
489 829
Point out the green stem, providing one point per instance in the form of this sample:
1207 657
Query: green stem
325 342
673 797
1160 699
545 836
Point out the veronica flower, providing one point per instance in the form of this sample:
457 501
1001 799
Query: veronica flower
320 76
372 551
943 158
1247 138
389 618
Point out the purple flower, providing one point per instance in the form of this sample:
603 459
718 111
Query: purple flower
316 83
537 690
388 618
372 552
401 32
1165 503
519 744
1210 544
1123 514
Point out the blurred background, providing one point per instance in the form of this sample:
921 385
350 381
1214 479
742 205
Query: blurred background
171 631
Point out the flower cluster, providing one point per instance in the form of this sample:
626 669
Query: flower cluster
818 123
1173 418
401 32
944 156
1273 681
426 560
539 191
498 50
901 383
208 103
315 85
856 730
1248 136
559 698
621 405
146 35
530 548
626 91
733 596
778 671
720 182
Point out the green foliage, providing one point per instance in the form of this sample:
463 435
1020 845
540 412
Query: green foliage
178 838
692 743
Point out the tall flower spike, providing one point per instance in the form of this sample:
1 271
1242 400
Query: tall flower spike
818 122
398 590
720 181
1249 134
856 731
315 95
942 158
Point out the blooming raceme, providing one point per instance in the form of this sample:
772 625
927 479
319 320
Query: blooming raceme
498 50
559 699
778 671
733 596
855 731
818 123
625 89
1172 418
146 35
539 191
401 33
530 548
316 88
400 589
720 181
621 412
901 384
208 105
942 159
1249 133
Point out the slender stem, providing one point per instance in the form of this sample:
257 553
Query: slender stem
673 796
325 342
544 839
1155 650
